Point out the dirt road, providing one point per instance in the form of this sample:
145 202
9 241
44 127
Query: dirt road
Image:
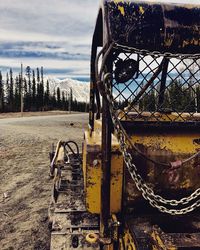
25 187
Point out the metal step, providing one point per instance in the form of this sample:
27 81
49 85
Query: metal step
72 241
165 232
63 223
186 240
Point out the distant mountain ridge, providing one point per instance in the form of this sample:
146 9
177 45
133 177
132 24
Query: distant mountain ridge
80 90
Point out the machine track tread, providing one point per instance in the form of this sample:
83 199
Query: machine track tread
70 220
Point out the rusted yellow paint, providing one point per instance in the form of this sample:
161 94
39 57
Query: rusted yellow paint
128 240
118 1
109 247
173 116
141 10
84 163
92 172
159 244
191 42
186 184
163 147
121 9
177 143
121 245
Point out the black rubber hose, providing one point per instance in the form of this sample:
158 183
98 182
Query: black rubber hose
67 143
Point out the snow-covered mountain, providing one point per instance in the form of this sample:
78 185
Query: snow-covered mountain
80 90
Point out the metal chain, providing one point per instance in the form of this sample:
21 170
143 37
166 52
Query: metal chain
147 192
155 53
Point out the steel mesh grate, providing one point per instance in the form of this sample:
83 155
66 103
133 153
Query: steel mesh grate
162 88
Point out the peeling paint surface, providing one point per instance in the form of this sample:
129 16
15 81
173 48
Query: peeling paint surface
174 28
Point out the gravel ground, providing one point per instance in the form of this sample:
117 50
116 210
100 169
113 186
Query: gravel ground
25 186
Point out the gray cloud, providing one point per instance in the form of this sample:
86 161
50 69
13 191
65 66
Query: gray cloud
50 32
41 50
51 17
55 34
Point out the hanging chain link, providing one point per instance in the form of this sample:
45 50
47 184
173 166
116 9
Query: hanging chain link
155 53
148 193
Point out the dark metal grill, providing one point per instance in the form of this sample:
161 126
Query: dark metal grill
161 88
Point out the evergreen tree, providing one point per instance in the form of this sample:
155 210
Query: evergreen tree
148 102
29 90
182 98
42 75
34 94
38 75
1 94
28 73
70 100
66 102
38 104
64 107
42 90
176 96
74 105
53 100
33 91
188 99
58 98
17 94
47 96
7 93
152 101
166 106
11 92
26 95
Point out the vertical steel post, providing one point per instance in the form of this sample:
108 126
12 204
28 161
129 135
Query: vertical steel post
106 170
163 83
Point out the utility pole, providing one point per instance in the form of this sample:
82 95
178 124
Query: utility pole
21 83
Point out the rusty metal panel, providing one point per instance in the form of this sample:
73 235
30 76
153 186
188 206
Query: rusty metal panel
174 27
92 172
166 147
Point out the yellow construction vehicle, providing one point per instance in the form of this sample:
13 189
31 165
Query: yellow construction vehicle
136 184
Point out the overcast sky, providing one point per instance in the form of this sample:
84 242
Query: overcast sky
55 34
